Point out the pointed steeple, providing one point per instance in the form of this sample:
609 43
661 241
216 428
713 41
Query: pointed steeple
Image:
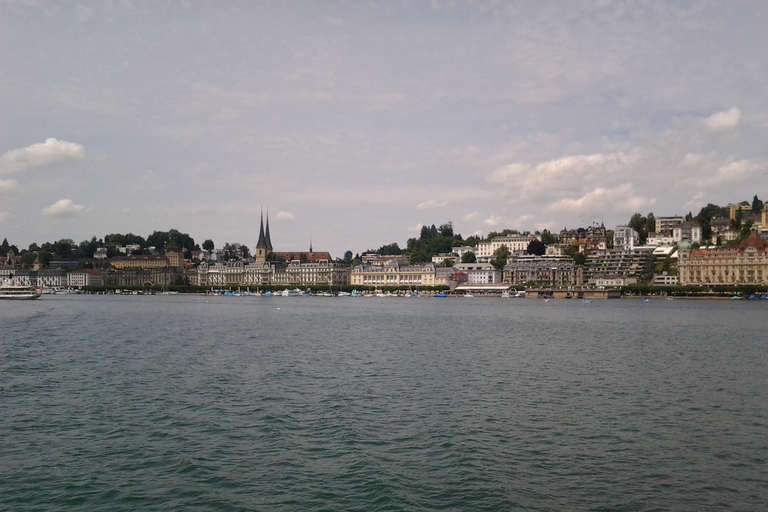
268 240
262 244
310 245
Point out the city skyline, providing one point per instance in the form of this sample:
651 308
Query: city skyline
355 123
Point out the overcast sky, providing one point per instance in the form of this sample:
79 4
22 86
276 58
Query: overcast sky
357 122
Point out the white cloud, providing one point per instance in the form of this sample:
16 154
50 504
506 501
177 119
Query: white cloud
7 185
43 154
492 221
621 199
63 208
563 174
428 205
284 216
734 171
723 120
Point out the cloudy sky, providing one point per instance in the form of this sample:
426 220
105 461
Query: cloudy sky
356 122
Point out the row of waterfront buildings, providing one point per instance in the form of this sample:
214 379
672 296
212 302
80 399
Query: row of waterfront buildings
625 263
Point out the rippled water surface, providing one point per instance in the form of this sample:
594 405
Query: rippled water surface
282 404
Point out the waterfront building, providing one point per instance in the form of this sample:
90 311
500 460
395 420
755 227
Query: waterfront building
139 277
479 273
632 263
51 278
614 281
744 264
543 271
664 279
84 277
395 273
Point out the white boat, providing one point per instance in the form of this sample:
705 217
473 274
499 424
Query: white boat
20 292
291 293
505 294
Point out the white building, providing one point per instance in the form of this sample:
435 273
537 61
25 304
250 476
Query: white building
664 224
84 277
660 240
625 238
687 231
479 273
516 244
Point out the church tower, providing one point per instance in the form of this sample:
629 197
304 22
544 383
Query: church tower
264 245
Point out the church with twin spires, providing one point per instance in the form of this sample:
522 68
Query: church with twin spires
264 251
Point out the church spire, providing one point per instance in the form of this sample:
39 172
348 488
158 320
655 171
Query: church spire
261 244
268 240
264 245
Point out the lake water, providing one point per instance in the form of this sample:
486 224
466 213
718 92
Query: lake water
282 404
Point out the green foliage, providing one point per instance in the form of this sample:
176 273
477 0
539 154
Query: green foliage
536 247
469 257
208 245
650 224
548 238
473 240
579 258
427 233
165 240
127 239
389 250
446 230
27 259
746 228
448 262
757 205
500 256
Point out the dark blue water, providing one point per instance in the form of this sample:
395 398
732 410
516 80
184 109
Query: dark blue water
229 403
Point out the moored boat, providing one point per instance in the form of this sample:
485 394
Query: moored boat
20 292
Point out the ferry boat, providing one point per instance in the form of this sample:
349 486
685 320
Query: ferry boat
20 292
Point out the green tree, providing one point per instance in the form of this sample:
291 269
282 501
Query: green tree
389 250
500 256
737 218
548 238
208 245
420 255
757 205
472 241
650 224
447 229
448 262
469 257
638 222
536 247
27 259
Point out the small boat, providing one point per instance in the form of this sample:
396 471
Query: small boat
440 295
20 292
587 300
468 295
505 294
646 300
